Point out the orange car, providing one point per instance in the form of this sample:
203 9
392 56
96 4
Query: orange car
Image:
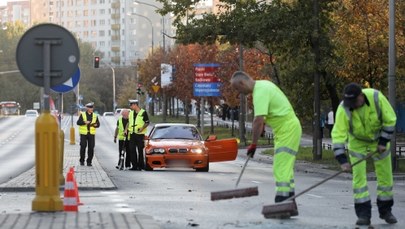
181 145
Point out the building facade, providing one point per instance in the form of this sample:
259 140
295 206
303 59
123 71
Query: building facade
120 31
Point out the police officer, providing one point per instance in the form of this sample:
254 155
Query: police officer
137 127
88 122
123 140
272 107
366 121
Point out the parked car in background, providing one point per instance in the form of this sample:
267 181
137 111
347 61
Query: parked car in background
181 145
118 111
108 113
31 113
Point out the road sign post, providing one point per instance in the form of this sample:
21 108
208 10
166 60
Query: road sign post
35 50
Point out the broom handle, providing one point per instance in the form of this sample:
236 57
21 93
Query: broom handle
243 169
334 175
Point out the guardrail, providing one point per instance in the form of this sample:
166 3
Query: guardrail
399 153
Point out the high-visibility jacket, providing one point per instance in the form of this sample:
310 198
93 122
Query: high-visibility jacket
121 129
83 128
134 127
374 121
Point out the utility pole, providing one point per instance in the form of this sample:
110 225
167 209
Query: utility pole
391 75
242 98
317 140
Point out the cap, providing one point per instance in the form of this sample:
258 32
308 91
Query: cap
90 105
132 101
350 93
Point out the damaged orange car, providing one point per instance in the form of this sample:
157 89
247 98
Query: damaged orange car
181 145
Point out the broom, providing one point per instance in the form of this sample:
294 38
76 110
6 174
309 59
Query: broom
288 207
236 193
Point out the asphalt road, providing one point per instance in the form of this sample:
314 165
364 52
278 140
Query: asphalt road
180 198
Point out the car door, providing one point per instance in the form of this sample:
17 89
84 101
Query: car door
222 150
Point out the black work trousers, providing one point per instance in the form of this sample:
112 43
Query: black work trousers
124 145
87 140
136 145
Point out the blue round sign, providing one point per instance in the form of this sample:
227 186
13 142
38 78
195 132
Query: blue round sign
69 84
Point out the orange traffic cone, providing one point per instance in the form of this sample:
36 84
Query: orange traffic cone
76 187
70 199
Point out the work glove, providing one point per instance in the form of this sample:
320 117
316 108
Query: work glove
251 150
381 148
346 167
115 140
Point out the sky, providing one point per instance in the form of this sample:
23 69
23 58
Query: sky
3 2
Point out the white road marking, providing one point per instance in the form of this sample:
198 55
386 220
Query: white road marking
316 196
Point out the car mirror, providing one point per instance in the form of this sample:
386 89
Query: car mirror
211 138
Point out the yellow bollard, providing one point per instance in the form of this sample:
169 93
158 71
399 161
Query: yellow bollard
47 164
62 150
72 135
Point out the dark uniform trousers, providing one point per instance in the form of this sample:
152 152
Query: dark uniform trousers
136 144
87 140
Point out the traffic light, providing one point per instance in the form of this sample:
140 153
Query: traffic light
139 91
96 62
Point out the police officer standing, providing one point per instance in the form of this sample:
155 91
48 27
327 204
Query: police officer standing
366 120
88 122
137 127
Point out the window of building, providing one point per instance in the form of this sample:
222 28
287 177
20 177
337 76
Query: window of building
101 33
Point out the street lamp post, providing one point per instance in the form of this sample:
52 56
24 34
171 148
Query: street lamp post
113 76
151 25
164 55
163 19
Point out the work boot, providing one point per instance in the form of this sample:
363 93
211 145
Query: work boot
389 218
363 221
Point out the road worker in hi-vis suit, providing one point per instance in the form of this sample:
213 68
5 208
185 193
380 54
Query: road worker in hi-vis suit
272 107
365 120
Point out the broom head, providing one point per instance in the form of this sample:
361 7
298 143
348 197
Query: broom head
282 210
235 193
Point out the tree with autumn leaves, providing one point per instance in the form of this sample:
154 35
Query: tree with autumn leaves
352 41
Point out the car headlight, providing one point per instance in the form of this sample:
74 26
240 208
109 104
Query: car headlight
157 151
197 150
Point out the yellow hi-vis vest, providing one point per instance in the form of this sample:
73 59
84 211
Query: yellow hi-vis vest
83 128
134 127
121 129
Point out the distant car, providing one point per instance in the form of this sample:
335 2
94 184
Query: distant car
108 113
118 111
31 113
181 145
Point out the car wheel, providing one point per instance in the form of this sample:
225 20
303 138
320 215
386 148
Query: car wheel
205 169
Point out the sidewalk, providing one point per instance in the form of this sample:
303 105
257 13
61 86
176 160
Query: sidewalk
88 178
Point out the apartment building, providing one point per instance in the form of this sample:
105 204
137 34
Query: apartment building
121 31
17 10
